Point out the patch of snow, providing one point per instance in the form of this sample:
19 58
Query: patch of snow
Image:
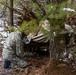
2 42
69 9
0 58
54 33
4 34
17 15
19 8
1 29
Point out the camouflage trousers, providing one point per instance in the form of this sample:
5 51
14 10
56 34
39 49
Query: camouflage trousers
13 58
18 63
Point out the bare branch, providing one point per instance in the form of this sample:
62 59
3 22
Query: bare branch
29 11
12 9
40 6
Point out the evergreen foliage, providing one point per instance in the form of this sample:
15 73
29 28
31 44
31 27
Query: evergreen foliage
28 27
53 11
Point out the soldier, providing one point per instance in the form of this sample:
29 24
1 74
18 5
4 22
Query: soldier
13 51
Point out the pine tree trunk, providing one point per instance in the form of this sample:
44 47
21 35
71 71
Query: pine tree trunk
11 12
52 49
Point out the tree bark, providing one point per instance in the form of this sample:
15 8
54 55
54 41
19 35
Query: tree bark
52 49
11 12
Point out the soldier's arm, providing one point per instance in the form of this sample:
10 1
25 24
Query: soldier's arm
19 48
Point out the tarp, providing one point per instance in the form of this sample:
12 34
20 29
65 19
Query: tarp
68 28
40 37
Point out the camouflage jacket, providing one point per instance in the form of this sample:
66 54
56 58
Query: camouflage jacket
13 46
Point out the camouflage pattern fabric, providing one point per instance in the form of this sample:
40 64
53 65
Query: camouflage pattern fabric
13 50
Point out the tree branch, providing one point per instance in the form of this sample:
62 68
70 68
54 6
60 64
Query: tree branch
32 14
12 9
40 6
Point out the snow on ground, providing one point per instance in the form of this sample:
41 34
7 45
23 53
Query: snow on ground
69 9
3 32
1 29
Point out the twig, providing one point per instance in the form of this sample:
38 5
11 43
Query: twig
30 12
43 10
12 9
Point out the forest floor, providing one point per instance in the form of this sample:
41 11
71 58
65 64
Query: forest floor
40 65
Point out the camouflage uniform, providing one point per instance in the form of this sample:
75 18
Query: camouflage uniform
13 50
